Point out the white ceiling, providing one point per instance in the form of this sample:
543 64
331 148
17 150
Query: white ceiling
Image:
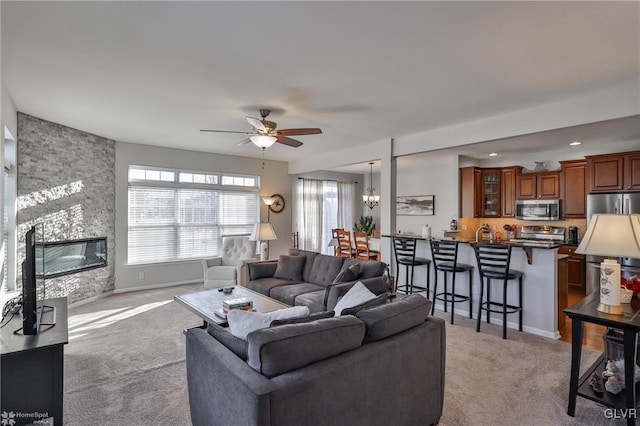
157 72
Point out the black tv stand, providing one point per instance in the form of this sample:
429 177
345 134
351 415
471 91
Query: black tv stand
32 367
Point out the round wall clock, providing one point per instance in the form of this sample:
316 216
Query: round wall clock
278 203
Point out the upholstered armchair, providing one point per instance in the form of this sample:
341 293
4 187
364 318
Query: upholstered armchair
230 268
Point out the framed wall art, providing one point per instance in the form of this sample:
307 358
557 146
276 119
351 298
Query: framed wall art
415 205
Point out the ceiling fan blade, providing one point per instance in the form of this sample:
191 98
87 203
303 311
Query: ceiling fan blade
296 132
244 142
288 141
257 124
226 131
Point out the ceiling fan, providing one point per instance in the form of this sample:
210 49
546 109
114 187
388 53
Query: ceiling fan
264 132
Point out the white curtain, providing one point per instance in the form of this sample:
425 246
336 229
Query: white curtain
322 206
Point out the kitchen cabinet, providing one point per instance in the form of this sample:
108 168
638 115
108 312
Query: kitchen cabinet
617 172
508 182
491 195
538 185
576 267
573 188
470 192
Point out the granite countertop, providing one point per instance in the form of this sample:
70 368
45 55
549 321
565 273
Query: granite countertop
540 245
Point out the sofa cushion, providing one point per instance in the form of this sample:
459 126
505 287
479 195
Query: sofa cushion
325 269
311 317
276 350
392 318
314 300
357 294
308 264
265 285
290 268
288 293
241 323
233 343
348 274
380 300
264 269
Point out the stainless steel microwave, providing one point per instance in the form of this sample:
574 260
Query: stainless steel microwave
538 209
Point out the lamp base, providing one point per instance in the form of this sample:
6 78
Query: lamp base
609 309
264 251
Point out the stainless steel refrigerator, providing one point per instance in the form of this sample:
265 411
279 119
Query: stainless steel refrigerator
617 204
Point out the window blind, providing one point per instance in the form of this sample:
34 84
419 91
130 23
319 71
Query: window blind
185 223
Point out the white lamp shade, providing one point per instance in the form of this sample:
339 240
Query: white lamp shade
268 200
263 232
263 141
614 235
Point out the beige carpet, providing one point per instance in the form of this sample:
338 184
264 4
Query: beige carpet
124 365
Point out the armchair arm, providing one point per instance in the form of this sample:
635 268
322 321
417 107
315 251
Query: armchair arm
207 263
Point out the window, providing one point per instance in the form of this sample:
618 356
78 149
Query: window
175 214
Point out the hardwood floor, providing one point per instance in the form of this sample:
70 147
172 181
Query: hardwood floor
592 334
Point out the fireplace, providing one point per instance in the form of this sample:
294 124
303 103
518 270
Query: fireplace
54 259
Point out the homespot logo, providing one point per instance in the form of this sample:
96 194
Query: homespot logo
10 418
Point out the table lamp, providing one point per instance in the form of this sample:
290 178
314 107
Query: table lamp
612 235
263 232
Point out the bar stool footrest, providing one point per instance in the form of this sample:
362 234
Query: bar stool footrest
511 309
446 297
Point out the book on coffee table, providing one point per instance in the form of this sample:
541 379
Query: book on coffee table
221 313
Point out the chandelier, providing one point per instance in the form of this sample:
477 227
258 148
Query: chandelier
370 199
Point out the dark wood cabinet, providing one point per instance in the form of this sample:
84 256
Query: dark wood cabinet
573 188
616 172
538 185
576 267
508 182
470 192
491 189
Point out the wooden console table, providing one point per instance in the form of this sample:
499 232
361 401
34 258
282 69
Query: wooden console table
32 368
585 311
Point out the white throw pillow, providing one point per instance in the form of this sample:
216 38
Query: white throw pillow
241 323
357 295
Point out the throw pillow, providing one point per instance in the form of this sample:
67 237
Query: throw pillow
356 295
290 268
241 323
348 274
310 318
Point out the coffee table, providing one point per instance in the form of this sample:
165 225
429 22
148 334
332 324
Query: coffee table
205 303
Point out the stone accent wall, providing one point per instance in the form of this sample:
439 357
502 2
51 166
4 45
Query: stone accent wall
66 187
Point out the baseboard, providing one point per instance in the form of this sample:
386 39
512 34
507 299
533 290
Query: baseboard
154 286
513 325
90 299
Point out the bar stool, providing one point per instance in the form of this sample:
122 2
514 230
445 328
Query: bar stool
404 249
493 263
444 254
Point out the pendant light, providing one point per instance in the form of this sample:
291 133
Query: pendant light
370 199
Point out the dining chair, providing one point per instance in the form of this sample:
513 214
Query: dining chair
363 252
345 248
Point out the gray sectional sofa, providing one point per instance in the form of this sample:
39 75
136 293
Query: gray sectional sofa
382 366
305 278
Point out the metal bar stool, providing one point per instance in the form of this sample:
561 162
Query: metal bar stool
493 263
404 249
444 254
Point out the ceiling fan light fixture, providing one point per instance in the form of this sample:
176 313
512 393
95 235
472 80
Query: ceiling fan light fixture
263 141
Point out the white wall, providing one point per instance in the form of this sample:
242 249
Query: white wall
428 174
8 134
274 180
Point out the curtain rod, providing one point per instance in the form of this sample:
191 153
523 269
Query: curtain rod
328 180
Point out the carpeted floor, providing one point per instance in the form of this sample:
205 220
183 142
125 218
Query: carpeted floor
124 365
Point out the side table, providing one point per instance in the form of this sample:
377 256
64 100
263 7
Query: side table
585 311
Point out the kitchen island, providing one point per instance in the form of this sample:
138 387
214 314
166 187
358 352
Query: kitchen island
537 261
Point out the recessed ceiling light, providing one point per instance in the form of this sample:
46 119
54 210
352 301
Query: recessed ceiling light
574 143
493 154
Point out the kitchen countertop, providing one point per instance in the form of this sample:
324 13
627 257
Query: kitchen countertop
539 245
